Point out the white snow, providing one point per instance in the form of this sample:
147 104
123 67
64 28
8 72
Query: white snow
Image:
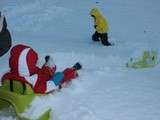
105 89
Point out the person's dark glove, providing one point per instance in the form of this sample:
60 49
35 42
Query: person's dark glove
47 58
49 61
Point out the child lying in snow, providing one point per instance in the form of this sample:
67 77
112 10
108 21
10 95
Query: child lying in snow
22 63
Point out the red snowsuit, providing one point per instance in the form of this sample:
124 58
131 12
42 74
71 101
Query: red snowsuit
22 63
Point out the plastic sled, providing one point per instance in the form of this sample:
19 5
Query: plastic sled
148 59
20 96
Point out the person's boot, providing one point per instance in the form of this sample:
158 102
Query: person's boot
77 66
95 37
104 40
106 43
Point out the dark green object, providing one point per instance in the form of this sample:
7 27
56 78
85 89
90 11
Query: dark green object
5 39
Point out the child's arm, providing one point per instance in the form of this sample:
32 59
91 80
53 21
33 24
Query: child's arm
49 67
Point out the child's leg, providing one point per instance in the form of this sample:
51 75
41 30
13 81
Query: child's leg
55 82
104 39
95 37
69 74
58 77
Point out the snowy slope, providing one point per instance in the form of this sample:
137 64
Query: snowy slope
105 89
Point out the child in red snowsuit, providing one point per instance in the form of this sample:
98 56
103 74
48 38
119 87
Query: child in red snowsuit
22 63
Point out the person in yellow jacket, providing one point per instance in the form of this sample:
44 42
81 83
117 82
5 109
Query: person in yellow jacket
101 27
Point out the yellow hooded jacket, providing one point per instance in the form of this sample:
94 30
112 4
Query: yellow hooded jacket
99 21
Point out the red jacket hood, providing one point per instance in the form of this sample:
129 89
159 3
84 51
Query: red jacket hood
23 60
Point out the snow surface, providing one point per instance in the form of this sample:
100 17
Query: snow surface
105 89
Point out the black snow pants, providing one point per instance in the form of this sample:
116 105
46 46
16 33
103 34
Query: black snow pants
103 37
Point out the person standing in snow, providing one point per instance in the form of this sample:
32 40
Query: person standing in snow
101 27
5 37
23 68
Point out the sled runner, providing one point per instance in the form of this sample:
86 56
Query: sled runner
20 96
148 59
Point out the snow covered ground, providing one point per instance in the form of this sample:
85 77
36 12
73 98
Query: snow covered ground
105 89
